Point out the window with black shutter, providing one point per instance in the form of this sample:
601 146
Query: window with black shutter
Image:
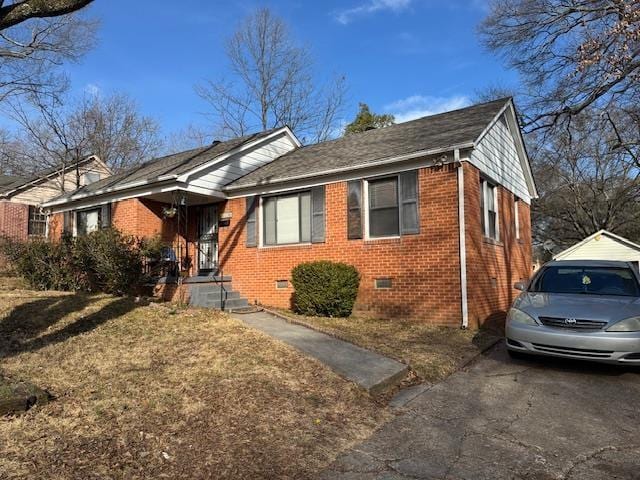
354 209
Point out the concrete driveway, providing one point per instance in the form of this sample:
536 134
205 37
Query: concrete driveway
506 419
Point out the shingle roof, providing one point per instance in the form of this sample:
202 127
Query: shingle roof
439 131
10 183
7 182
174 164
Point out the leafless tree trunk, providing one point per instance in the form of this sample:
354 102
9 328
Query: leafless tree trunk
271 84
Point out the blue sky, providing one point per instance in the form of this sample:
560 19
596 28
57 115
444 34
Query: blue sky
406 57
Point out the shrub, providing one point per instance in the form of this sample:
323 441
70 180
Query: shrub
112 261
325 288
104 260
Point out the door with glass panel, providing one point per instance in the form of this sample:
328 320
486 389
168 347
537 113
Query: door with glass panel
207 239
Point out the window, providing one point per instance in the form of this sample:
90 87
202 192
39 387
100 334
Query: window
516 217
37 222
392 206
384 213
88 221
91 177
280 284
489 209
287 219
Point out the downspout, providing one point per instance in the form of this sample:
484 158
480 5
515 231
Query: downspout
463 242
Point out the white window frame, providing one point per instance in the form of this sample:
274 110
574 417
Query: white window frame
75 219
85 178
365 198
486 184
261 219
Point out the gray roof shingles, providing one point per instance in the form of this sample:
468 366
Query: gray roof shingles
174 164
428 133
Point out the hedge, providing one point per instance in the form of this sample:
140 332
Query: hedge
325 288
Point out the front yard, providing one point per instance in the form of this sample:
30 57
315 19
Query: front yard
433 352
149 391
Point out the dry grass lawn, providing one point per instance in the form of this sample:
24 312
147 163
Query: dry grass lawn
433 352
155 392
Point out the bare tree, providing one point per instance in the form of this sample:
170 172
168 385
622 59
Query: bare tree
36 37
584 185
57 135
272 84
572 55
116 131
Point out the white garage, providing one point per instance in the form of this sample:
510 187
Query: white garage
602 245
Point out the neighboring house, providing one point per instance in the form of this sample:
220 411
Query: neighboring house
21 198
434 213
602 245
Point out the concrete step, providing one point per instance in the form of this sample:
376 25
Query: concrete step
216 295
206 288
228 305
208 279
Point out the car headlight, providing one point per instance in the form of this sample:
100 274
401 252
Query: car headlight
518 316
627 325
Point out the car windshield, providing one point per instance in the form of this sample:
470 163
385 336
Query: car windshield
587 280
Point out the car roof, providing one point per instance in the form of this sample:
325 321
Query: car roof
588 263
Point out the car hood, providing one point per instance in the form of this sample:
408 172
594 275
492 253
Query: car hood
607 308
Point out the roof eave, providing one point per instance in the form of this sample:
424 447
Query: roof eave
385 161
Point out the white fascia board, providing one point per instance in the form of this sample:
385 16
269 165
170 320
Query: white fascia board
97 193
134 193
240 148
343 174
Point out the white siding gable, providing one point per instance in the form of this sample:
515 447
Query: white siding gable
601 247
497 156
221 173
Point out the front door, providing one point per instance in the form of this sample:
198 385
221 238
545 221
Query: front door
207 239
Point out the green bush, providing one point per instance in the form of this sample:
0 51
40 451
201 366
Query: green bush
325 288
104 260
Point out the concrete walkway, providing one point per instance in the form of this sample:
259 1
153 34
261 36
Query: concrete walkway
370 370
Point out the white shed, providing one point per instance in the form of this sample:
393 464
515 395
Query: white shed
602 245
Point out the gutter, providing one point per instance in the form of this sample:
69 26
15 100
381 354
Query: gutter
463 241
385 161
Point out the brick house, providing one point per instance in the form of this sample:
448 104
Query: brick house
434 213
21 198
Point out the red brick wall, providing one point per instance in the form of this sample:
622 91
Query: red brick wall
493 268
424 267
14 220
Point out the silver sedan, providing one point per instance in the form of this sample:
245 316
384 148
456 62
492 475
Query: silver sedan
581 309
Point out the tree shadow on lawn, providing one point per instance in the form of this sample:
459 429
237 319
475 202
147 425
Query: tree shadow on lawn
20 330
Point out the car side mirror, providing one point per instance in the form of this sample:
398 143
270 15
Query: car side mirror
520 286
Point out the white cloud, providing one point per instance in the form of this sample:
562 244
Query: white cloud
417 106
92 89
372 6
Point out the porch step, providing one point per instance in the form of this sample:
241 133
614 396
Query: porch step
217 295
230 304
208 279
